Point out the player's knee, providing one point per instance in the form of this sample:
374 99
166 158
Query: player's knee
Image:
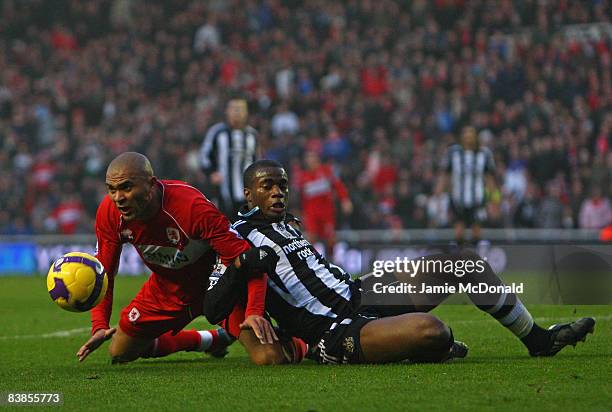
119 354
267 355
435 335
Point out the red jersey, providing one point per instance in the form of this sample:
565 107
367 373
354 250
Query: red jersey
180 244
317 187
68 215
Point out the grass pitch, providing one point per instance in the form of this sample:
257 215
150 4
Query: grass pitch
38 342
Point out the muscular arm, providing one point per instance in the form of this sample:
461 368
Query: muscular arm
109 252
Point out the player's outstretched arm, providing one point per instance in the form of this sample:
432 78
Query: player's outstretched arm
97 339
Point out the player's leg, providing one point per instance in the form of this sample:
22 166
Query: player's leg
328 233
458 223
125 348
476 233
213 342
419 337
149 332
286 350
502 305
459 228
259 353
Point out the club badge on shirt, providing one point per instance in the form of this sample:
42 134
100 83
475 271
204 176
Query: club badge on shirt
133 315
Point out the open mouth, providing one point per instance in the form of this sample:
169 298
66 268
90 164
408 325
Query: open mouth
277 207
125 210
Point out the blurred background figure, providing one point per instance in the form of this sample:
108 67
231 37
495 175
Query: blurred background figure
470 170
595 212
86 80
228 149
319 188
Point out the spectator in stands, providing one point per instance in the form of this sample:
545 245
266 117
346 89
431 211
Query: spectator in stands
83 81
595 212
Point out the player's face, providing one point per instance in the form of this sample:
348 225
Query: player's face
270 191
468 138
132 194
237 113
312 160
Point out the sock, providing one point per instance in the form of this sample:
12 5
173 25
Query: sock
509 311
209 338
514 316
212 339
295 350
187 340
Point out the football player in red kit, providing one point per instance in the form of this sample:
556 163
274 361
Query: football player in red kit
181 237
317 184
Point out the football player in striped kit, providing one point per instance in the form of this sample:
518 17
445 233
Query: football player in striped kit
314 300
469 167
227 150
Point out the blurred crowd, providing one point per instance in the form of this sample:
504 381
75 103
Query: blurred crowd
379 89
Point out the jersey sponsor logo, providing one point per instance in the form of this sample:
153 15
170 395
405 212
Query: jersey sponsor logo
171 257
300 246
174 236
166 257
134 315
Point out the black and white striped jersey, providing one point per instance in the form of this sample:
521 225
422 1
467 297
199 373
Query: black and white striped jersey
467 170
229 152
306 294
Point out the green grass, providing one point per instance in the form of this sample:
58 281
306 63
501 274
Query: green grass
497 374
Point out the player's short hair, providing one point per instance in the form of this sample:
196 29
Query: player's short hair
137 163
236 96
249 174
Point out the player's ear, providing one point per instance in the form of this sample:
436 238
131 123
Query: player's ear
247 194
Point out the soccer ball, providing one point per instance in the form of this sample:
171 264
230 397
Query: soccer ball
77 282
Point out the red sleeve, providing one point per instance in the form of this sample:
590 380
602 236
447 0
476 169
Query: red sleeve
214 227
338 185
257 288
108 253
211 225
256 300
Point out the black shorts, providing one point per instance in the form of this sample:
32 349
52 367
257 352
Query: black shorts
468 215
341 344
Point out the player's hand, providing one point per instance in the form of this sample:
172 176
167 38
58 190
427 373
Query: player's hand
216 178
97 339
347 207
262 328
